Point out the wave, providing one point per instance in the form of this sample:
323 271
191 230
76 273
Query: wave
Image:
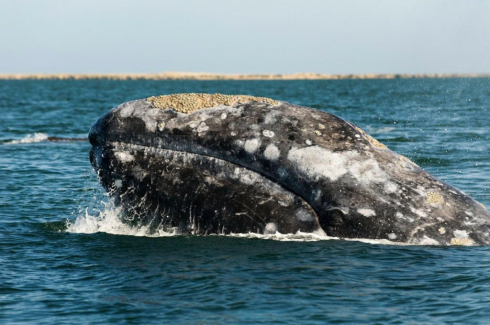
30 138
386 129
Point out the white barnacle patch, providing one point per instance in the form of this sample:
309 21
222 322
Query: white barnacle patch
392 236
224 116
202 127
193 125
268 133
303 215
270 228
161 126
469 213
233 134
272 152
442 230
308 142
124 157
366 212
461 237
434 199
252 145
118 183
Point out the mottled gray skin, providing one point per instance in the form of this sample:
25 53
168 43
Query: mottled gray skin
261 168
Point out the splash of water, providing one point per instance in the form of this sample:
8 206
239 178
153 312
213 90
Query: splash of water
30 138
109 220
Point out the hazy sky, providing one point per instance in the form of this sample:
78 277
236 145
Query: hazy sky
250 36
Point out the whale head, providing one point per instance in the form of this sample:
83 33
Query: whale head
205 163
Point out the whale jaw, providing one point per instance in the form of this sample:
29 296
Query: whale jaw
195 194
257 167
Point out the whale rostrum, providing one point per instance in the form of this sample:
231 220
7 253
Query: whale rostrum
204 164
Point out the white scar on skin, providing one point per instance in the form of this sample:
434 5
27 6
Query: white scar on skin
303 215
317 162
270 228
270 118
252 145
366 212
124 157
271 152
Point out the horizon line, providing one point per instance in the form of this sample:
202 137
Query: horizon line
232 76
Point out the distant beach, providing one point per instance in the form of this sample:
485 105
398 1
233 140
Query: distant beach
217 76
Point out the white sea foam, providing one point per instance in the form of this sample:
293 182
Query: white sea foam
309 237
108 220
30 138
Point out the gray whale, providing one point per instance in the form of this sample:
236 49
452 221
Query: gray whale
204 164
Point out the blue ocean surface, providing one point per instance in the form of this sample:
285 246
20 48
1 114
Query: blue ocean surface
66 258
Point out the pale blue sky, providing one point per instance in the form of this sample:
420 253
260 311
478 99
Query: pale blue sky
253 36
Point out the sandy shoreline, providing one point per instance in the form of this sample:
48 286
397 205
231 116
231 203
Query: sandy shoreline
217 76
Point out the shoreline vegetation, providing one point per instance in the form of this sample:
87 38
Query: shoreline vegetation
218 76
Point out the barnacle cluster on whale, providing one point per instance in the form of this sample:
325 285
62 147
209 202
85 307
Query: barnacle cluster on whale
187 103
213 163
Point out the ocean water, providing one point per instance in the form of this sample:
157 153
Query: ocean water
65 257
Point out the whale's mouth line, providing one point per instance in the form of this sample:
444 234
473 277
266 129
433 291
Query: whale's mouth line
118 145
161 152
123 146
